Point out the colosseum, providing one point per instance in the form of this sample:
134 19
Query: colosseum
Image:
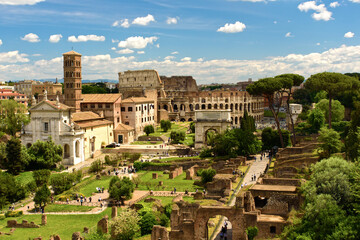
178 97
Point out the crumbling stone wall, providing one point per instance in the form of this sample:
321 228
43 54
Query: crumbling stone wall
24 224
280 181
159 232
220 184
175 172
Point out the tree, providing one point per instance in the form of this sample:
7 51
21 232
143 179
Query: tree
302 96
148 129
165 125
10 190
13 116
290 80
252 232
44 155
320 96
316 119
96 166
332 83
267 88
177 136
41 177
16 158
207 175
125 225
337 110
64 181
192 127
147 222
329 142
247 123
42 196
270 138
352 144
121 189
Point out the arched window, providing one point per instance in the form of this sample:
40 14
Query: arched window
66 150
197 107
77 148
209 106
221 106
203 106
215 106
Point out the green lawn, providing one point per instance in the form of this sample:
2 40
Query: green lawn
174 159
146 143
90 187
24 177
178 126
180 182
66 208
63 225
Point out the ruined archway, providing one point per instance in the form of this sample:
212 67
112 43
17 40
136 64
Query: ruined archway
218 226
210 136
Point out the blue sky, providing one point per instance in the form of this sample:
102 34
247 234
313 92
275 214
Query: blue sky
212 40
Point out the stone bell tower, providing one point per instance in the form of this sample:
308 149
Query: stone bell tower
72 79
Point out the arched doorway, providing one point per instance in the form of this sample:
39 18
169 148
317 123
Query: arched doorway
66 150
77 148
210 136
209 106
182 107
183 120
191 107
175 108
197 107
165 107
190 120
203 106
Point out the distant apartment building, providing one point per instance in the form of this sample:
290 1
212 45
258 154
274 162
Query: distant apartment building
6 94
53 90
25 87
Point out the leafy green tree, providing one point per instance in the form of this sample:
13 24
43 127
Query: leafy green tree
165 125
270 138
44 155
42 196
93 89
290 80
302 96
247 142
147 222
207 175
148 129
2 154
64 181
252 232
320 96
41 177
329 142
247 123
177 136
316 119
16 158
13 116
96 166
337 110
268 88
125 225
333 84
121 189
352 144
10 190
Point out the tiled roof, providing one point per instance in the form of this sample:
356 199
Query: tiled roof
101 98
123 127
72 52
137 100
94 123
83 116
61 105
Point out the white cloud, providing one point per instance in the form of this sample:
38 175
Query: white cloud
321 12
55 38
186 59
122 23
232 27
20 2
200 59
171 20
85 38
176 52
31 37
334 4
125 51
275 22
349 35
37 55
114 40
140 52
113 48
169 57
318 44
13 57
143 21
355 1
289 34
137 42
157 45
1 42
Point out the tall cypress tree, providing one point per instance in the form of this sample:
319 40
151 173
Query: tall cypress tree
247 123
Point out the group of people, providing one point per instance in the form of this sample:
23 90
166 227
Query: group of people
100 190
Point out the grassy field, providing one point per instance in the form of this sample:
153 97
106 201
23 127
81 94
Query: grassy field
63 225
180 182
174 159
90 187
178 126
67 208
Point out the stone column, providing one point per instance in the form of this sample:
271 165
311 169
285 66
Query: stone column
113 212
43 219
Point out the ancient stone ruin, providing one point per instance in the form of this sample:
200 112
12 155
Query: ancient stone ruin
24 224
175 171
103 225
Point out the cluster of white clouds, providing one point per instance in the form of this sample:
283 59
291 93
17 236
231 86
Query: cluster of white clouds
232 27
85 38
34 38
137 42
20 2
321 12
334 4
171 20
341 59
349 35
142 21
31 37
55 38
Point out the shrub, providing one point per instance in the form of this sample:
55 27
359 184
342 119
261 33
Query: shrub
107 160
164 220
64 181
31 186
41 177
147 222
2 217
177 136
207 175
13 214
205 152
96 166
168 209
134 156
165 125
252 232
149 129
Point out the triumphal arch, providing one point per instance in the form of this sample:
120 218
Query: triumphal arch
214 120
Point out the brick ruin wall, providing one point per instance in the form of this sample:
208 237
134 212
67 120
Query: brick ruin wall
175 172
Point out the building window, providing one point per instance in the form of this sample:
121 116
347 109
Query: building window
46 127
123 109
118 119
130 109
107 105
272 229
92 105
126 123
99 105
